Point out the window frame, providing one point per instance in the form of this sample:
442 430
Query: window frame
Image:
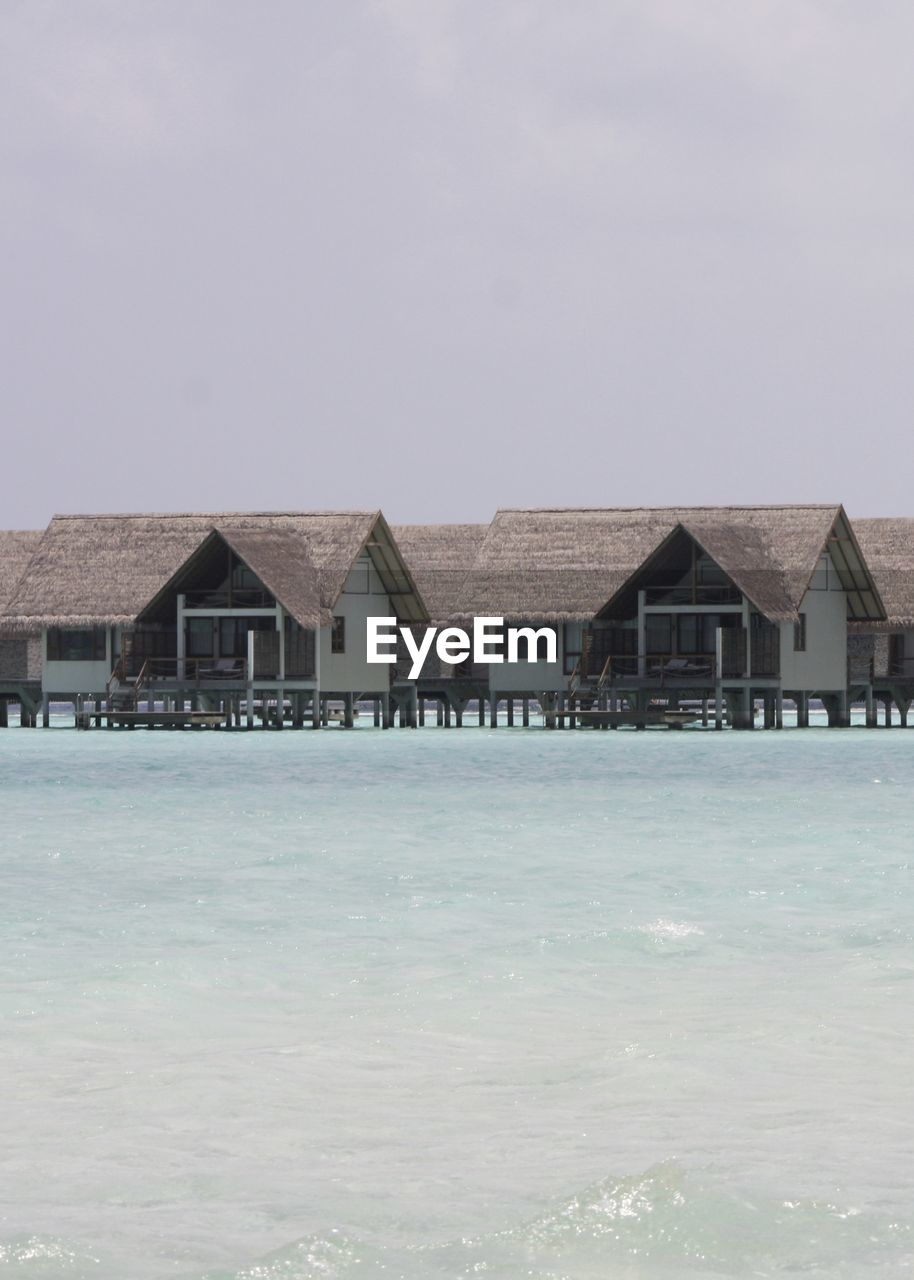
799 634
58 649
338 634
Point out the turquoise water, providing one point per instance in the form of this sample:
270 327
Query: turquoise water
451 1004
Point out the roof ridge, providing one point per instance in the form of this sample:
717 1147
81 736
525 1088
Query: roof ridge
201 515
701 506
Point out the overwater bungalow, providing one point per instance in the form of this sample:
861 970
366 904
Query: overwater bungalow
20 650
663 604
215 610
244 618
881 652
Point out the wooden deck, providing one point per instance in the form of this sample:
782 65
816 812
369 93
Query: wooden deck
153 719
635 719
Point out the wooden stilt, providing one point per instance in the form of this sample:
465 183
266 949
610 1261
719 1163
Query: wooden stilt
385 711
316 709
509 707
348 718
525 713
493 710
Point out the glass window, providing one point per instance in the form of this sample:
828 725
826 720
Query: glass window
66 645
658 633
199 637
338 635
799 634
689 633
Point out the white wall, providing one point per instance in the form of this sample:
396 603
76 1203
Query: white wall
350 672
543 677
60 679
823 666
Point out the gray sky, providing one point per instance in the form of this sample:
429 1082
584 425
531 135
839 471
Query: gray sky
440 256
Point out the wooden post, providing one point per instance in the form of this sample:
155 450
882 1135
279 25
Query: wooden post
903 704
888 711
45 711
445 712
718 707
421 713
459 704
315 708
704 712
385 711
779 710
493 709
376 703
871 713
525 713
509 707
348 718
4 713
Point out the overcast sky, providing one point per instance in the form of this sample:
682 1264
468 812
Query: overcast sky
440 256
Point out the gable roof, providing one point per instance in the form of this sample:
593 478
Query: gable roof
559 565
888 547
279 558
439 557
16 549
104 570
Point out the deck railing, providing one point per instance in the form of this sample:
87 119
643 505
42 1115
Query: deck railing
189 670
701 594
667 668
237 598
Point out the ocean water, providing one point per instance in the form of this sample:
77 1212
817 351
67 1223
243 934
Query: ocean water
572 1006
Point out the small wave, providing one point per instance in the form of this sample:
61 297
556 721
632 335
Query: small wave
38 1257
672 929
658 1225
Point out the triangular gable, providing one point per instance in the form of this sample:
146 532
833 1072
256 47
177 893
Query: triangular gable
279 558
393 571
738 551
864 603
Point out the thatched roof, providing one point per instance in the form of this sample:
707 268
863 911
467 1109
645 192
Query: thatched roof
888 546
104 570
16 549
560 565
439 557
280 558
